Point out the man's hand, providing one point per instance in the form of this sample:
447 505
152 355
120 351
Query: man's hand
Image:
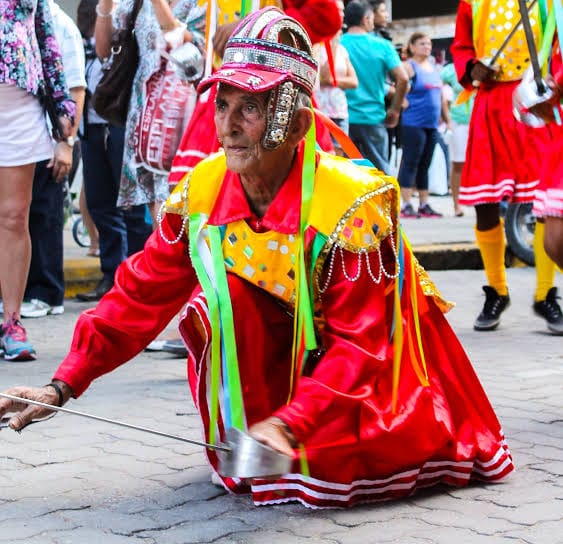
25 413
481 72
61 161
545 110
392 118
274 433
222 34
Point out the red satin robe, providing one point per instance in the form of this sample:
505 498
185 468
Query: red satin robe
357 449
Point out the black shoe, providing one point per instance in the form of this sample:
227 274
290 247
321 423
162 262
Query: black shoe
550 310
97 293
495 304
408 211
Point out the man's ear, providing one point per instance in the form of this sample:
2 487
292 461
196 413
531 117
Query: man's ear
301 122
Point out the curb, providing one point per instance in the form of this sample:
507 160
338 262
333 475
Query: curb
82 275
449 256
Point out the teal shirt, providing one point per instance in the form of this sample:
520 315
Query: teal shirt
461 113
372 57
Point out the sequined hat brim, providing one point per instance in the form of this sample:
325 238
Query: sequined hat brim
247 79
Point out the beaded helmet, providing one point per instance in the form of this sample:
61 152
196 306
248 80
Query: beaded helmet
269 51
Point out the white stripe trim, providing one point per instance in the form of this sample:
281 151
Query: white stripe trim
397 481
191 153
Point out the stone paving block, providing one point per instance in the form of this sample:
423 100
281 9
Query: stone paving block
196 533
540 533
26 527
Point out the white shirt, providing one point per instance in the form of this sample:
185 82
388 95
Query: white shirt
70 43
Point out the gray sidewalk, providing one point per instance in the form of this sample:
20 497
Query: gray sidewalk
76 481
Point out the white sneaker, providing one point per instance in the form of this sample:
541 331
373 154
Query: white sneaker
38 308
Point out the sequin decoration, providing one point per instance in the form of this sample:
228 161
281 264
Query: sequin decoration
264 259
514 59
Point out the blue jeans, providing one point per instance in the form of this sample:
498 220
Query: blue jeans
373 143
122 232
45 280
418 147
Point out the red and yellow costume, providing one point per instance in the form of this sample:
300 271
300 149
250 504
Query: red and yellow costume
503 156
320 18
364 435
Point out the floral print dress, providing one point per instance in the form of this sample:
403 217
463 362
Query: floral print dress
138 185
30 57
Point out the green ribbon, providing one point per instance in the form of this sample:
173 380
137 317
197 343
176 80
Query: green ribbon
221 321
227 328
245 8
305 324
196 222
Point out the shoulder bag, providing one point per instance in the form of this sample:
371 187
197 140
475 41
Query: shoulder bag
111 97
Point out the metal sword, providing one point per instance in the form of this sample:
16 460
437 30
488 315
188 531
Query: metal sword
534 61
115 422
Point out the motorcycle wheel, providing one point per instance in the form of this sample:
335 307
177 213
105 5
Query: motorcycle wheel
519 227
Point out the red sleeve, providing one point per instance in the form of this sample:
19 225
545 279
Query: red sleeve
150 289
462 48
358 352
320 18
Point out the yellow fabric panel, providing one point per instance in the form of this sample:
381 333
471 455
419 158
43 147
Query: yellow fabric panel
493 20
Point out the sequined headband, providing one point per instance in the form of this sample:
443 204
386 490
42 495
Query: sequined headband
264 55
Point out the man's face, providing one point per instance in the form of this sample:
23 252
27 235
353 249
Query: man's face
380 16
368 21
240 119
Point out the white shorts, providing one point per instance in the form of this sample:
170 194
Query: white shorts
24 137
459 141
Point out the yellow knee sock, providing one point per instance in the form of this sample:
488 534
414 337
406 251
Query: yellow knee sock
492 247
545 267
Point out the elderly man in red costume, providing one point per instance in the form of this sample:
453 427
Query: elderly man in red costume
308 321
503 156
320 18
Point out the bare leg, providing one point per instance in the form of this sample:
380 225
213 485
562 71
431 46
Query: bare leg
154 207
406 194
553 239
15 245
89 224
455 182
423 195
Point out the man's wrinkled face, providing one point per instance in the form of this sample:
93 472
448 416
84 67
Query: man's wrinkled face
240 119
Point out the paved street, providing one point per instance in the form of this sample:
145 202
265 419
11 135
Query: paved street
76 481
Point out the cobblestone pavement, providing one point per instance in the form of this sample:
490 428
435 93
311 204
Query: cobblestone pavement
77 481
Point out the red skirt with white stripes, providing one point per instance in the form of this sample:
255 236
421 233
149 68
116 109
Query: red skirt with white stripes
504 156
447 433
549 194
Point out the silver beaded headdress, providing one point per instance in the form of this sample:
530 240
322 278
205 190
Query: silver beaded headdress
269 51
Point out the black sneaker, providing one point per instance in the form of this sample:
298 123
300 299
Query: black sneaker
408 211
425 210
550 310
495 304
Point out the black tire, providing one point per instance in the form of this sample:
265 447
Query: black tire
519 226
79 233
